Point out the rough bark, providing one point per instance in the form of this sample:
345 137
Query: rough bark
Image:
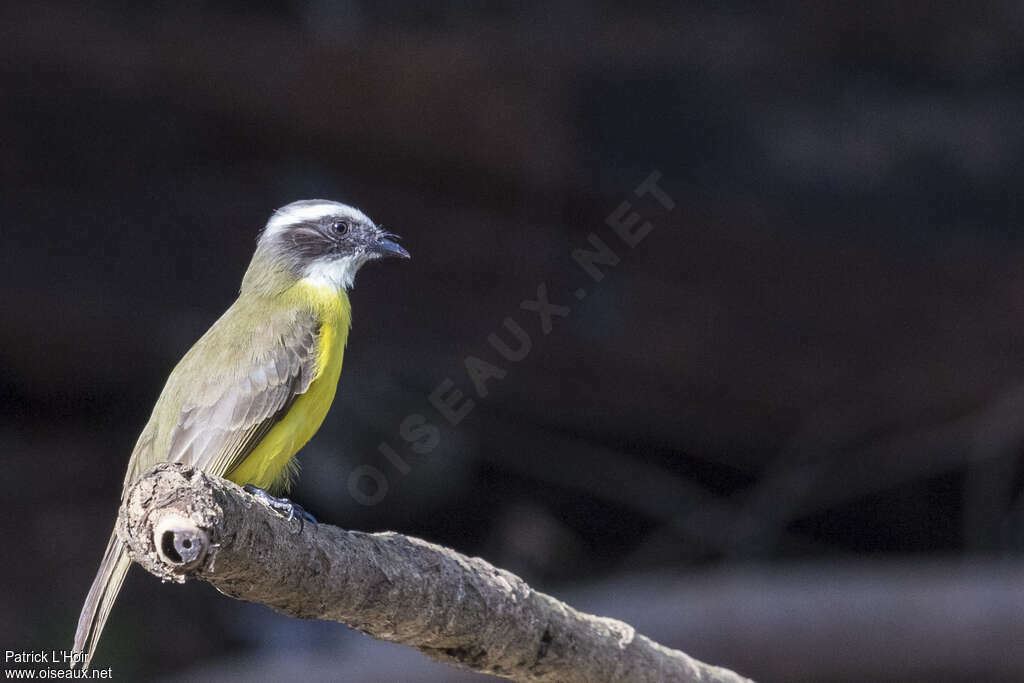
180 523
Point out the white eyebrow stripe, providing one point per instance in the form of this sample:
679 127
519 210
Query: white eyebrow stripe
304 211
289 216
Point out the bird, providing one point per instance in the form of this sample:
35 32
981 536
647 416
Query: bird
258 384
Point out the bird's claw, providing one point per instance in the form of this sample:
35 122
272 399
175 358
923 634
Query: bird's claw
281 506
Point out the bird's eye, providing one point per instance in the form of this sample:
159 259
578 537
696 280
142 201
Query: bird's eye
339 227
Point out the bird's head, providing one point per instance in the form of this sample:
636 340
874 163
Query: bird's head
323 241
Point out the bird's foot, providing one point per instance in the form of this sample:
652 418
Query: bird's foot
282 506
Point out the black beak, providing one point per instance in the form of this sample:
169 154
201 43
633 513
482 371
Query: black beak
387 246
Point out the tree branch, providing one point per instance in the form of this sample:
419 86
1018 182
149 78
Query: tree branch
180 523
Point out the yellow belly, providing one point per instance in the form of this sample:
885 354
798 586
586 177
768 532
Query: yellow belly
270 464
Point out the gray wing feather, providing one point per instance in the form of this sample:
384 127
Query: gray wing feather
225 420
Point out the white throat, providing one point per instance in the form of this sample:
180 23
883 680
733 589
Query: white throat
338 273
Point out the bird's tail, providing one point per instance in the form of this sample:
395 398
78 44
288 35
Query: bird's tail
105 588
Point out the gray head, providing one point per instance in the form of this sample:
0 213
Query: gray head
324 241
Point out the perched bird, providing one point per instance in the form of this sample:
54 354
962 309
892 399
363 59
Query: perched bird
256 387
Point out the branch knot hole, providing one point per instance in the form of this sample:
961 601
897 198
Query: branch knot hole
179 542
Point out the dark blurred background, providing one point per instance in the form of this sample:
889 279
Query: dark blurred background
783 433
